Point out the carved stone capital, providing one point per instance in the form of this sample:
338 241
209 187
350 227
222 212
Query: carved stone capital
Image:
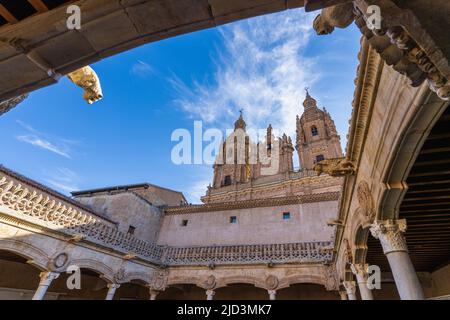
361 271
113 286
390 234
47 278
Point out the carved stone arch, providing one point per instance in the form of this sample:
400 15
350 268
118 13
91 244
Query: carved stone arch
360 244
102 269
302 278
259 283
140 276
186 280
36 257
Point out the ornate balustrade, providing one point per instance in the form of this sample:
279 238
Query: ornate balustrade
306 252
62 217
23 204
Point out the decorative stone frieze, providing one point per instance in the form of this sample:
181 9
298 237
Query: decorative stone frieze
390 234
366 209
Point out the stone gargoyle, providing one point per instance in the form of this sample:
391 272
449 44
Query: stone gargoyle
340 16
335 167
87 79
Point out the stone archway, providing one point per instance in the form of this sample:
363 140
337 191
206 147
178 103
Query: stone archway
133 290
306 291
19 279
241 291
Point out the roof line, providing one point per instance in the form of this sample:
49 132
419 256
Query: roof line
122 187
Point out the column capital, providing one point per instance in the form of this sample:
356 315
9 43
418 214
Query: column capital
360 270
390 234
113 286
47 277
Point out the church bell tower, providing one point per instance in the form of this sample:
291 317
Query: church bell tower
317 138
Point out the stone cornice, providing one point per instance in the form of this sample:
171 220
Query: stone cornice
367 81
257 203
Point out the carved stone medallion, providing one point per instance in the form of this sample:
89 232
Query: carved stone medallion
272 282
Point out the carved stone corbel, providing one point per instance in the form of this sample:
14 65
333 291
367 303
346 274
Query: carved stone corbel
87 79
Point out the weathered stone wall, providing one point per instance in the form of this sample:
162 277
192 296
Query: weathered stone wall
127 209
308 222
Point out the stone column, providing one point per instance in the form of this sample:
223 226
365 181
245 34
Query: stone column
361 271
272 294
112 287
350 288
153 294
343 295
390 234
209 294
46 279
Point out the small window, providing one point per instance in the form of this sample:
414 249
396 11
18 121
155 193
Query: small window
319 158
227 181
184 223
314 131
233 219
131 229
286 215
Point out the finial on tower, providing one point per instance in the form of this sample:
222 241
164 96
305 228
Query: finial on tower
240 123
309 101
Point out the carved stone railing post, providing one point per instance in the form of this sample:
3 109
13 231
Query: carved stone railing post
46 280
361 271
390 234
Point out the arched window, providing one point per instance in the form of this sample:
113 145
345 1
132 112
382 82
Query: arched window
314 131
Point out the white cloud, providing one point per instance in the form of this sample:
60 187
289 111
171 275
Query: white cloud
44 144
197 189
64 180
261 70
60 146
141 69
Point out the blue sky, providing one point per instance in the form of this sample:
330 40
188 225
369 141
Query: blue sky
261 65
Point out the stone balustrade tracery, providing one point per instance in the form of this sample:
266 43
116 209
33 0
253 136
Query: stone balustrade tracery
27 205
